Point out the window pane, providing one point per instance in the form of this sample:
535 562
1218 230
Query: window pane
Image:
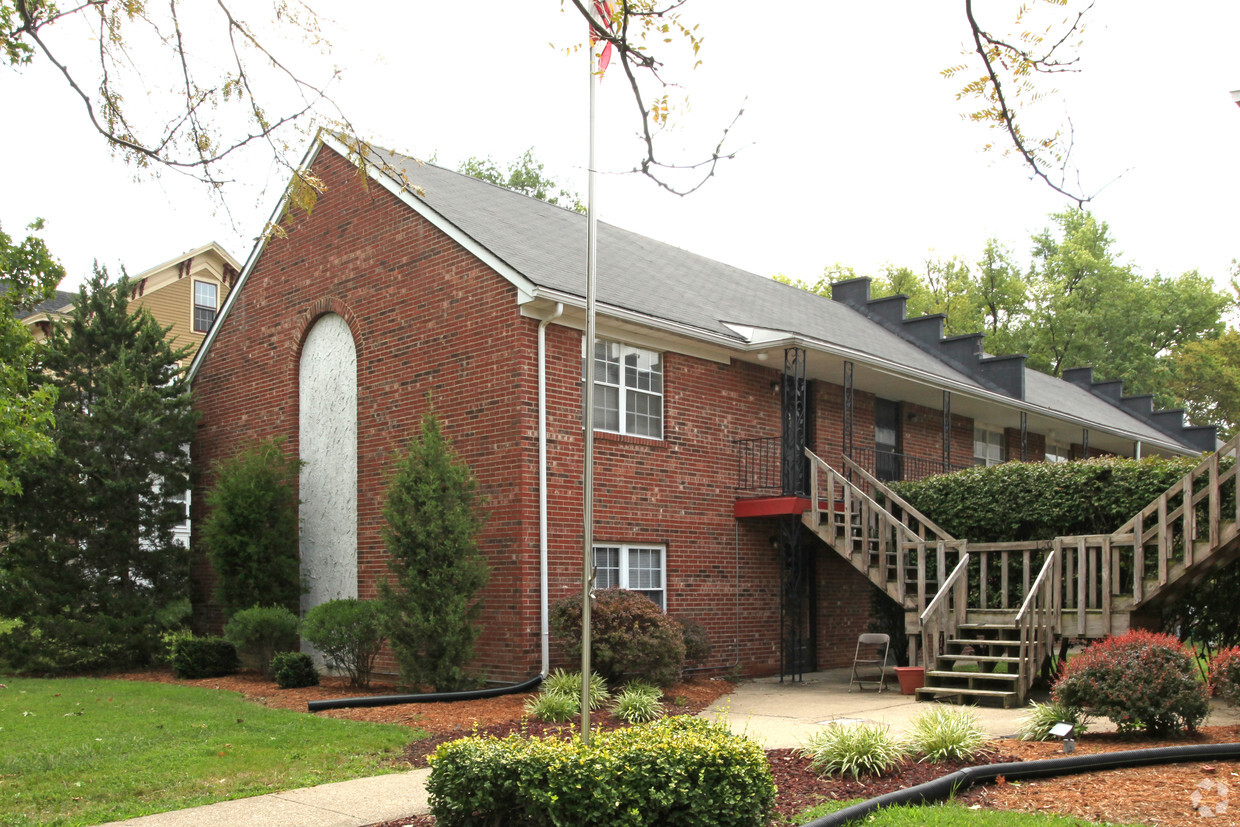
607 362
606 408
645 568
204 294
606 567
644 414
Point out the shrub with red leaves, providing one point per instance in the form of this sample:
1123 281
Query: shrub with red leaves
1139 680
1225 675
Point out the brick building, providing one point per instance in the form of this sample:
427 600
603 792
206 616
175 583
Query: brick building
424 284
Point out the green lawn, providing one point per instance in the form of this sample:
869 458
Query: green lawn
84 751
948 815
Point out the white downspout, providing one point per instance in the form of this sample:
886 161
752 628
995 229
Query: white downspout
1137 452
544 627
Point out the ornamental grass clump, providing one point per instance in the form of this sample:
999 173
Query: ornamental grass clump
676 771
638 702
1140 680
568 684
553 708
860 749
1036 726
1225 675
947 733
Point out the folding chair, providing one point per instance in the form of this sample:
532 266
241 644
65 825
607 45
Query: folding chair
872 643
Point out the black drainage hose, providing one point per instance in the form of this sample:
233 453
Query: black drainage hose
426 697
948 785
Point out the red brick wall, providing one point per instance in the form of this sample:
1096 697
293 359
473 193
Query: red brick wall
427 316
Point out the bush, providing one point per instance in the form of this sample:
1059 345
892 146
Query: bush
294 670
676 772
1036 726
431 602
250 532
630 637
1139 680
1225 675
568 684
204 657
697 641
349 634
860 749
262 631
638 703
552 707
947 733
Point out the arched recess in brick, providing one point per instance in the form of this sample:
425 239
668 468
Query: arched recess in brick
327 393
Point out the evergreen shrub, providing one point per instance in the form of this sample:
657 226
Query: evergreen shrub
431 603
630 637
251 530
204 657
294 670
1225 675
675 772
260 632
1140 680
349 634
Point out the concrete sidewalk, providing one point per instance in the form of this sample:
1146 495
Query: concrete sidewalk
777 715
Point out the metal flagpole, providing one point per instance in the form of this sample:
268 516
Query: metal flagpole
587 563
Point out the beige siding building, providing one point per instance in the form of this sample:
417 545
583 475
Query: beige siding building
185 293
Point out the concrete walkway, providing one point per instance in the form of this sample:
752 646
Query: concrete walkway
777 715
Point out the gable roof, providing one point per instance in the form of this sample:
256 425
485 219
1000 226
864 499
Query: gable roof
541 248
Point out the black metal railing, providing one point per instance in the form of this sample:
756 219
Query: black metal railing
758 464
890 466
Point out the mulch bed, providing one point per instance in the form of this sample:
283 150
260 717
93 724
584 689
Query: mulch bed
1174 795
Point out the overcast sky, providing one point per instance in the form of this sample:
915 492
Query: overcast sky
853 148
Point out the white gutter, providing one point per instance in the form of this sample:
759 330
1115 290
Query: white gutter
544 628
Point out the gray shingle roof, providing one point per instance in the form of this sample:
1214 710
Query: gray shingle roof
547 245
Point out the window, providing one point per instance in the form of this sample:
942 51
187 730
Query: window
206 302
987 446
636 568
628 390
1055 452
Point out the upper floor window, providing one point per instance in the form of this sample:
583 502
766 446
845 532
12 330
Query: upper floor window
636 568
987 446
206 303
628 390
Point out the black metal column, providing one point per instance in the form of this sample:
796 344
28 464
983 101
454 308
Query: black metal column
1084 443
947 430
1024 437
795 611
848 411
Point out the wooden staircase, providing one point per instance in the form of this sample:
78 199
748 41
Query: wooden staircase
988 616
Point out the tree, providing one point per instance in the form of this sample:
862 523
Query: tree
251 531
431 603
524 175
91 567
28 274
221 100
1205 376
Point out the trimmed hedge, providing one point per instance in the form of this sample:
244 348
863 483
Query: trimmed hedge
261 631
204 657
676 772
1140 680
1057 499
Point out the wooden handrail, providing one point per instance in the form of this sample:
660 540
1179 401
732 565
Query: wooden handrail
957 573
898 500
1037 584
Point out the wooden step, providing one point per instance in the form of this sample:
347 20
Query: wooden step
961 676
934 692
981 642
981 658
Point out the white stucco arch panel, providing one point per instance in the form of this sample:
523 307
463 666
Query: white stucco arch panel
328 438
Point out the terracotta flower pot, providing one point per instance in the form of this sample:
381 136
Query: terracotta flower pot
911 677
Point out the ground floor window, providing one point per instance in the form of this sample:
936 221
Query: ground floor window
987 446
632 567
1057 453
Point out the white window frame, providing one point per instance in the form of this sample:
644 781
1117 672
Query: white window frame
215 311
983 433
624 572
1058 452
624 388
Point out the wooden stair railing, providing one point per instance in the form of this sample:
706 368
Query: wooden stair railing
942 618
921 525
1037 620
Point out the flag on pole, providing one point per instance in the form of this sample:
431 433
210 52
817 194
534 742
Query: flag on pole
602 11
